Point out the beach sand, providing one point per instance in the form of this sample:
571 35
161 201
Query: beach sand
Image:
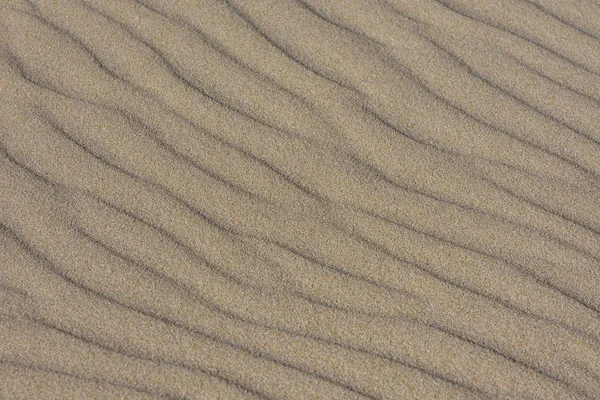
311 199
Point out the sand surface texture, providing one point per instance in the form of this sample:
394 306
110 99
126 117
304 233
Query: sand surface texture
310 199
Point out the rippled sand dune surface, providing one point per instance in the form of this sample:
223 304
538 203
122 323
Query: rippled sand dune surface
300 199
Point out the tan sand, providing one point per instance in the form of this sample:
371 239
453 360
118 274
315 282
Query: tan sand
311 199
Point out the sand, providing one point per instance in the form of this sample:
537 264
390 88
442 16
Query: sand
311 199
